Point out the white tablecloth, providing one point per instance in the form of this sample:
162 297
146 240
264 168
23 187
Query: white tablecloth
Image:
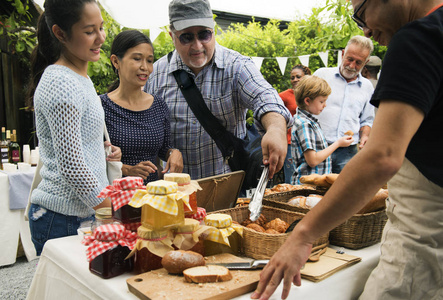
12 228
63 273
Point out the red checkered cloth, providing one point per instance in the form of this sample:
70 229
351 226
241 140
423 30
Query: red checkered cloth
132 226
199 215
122 190
107 237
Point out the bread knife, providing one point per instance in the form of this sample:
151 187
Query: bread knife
247 265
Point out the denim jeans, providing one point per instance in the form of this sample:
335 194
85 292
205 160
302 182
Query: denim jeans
341 156
46 224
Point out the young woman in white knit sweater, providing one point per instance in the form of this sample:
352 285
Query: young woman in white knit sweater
69 120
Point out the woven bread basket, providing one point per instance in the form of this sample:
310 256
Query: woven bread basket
259 245
361 230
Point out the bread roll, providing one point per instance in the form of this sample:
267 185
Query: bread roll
277 224
209 273
175 262
272 231
255 227
377 202
349 132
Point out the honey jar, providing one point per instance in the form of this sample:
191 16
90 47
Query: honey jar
162 205
224 236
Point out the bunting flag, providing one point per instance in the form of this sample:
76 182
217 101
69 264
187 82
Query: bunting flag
257 61
324 57
282 61
154 33
304 59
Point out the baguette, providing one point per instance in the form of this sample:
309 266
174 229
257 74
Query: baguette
209 273
331 178
321 181
309 179
377 202
175 262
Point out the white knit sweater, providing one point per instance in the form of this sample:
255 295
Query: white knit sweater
70 121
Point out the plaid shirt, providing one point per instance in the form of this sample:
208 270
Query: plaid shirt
307 134
230 85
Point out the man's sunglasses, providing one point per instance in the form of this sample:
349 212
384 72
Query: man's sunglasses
360 23
204 36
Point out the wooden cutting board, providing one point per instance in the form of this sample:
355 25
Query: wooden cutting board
159 284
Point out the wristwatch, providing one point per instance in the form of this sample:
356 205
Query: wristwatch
170 152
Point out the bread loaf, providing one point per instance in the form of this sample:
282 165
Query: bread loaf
175 262
377 202
209 273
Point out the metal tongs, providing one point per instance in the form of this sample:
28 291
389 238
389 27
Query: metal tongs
255 204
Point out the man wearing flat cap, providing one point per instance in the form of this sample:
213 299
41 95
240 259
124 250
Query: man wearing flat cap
230 84
371 69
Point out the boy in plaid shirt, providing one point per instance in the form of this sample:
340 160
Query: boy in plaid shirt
310 151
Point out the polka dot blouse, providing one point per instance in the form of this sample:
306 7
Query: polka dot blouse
141 135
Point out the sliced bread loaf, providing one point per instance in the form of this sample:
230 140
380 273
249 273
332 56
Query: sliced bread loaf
209 273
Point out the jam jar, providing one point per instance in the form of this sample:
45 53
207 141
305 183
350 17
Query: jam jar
107 258
159 241
103 216
188 187
184 238
225 236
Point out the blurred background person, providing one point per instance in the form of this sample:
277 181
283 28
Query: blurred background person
137 121
297 72
371 70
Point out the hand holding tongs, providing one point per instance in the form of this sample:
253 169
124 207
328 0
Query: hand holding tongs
256 201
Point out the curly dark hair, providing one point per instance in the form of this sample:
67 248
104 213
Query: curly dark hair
304 69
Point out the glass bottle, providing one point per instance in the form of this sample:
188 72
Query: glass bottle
14 149
4 149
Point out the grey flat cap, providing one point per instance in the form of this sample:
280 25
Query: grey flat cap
189 13
374 61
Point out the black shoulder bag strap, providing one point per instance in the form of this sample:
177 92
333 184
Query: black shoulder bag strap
210 123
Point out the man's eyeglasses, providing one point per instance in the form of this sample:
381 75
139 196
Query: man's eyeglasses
356 16
204 36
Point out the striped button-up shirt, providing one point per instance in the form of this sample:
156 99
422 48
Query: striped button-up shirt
307 135
230 85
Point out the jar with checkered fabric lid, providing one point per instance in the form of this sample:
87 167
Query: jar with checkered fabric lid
224 236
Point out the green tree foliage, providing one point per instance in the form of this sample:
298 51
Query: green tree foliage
21 37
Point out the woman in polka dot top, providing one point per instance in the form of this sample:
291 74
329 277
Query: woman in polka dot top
136 121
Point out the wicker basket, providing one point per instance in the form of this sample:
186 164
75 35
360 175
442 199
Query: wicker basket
280 200
361 230
263 245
